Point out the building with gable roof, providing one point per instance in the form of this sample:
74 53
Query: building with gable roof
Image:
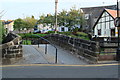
104 27
8 25
92 14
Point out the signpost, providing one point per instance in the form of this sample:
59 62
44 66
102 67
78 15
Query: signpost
117 24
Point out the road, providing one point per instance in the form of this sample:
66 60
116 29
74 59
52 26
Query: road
60 71
36 64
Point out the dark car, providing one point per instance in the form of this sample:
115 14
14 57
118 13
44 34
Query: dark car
36 31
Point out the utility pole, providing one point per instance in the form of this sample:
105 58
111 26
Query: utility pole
56 6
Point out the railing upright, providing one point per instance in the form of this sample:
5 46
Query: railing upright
56 56
45 48
56 61
38 42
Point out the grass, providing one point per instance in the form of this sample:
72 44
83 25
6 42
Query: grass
65 33
30 35
26 42
80 35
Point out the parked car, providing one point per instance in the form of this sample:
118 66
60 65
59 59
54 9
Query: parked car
36 31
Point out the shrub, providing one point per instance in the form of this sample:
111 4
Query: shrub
29 35
49 32
65 33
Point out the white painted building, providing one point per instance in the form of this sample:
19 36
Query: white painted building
63 29
8 25
104 27
43 29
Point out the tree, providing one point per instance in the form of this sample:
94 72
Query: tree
70 19
2 32
62 18
19 24
41 20
29 22
46 20
75 17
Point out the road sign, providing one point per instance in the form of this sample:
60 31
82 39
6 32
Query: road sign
117 22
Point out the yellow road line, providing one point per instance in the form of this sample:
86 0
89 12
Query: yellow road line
94 65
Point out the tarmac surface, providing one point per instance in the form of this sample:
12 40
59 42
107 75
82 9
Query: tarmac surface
34 55
36 64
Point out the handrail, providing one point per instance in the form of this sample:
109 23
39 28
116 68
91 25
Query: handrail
46 45
45 40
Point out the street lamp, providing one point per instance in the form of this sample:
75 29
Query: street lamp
56 4
117 24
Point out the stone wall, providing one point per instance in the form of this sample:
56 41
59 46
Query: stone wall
11 49
84 49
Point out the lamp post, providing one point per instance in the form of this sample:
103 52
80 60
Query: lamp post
118 27
56 4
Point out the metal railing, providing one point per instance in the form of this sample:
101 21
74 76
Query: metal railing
48 42
83 48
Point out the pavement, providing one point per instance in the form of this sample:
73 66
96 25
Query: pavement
34 55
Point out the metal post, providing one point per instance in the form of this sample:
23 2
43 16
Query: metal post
56 57
38 42
26 39
45 48
118 49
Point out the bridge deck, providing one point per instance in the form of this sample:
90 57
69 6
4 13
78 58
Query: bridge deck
34 55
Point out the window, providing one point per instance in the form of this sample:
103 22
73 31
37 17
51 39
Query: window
103 19
99 31
113 32
62 29
112 24
69 29
107 25
107 19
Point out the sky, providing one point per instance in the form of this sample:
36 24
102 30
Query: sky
15 9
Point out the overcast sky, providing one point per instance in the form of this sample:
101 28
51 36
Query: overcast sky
20 8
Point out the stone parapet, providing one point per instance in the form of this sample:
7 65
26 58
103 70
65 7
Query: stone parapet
11 50
84 49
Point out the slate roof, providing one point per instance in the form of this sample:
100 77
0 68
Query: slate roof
7 22
96 11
